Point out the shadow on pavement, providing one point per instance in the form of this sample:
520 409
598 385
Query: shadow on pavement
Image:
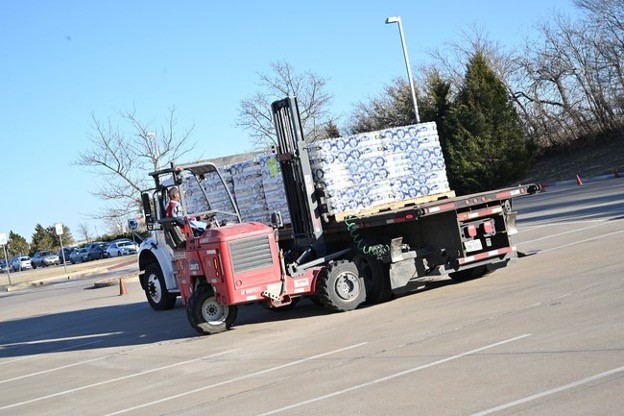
102 327
136 324
128 325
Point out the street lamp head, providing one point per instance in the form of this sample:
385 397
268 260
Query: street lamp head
393 19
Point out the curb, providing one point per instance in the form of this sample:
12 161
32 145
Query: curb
585 180
113 281
73 276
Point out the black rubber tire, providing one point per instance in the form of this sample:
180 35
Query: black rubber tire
340 287
376 278
156 290
206 315
469 274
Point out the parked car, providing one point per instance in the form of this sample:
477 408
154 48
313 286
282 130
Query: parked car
4 266
121 248
96 250
44 258
79 255
65 253
106 255
20 263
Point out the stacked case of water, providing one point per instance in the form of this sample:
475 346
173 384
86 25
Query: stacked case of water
377 168
273 186
193 196
216 193
249 192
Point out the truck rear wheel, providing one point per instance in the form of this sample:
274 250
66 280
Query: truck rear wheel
340 287
376 278
155 289
206 314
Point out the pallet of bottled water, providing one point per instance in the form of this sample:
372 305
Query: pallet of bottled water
386 168
256 185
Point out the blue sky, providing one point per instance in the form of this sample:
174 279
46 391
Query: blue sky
61 61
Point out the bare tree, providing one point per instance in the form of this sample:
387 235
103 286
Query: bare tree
309 88
571 84
450 62
83 230
124 158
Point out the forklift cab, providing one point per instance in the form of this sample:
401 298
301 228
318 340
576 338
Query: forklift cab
156 200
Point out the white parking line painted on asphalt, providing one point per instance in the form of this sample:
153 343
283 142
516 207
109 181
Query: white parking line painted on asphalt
549 392
43 341
393 376
522 227
575 218
602 223
57 350
50 370
235 379
580 241
101 383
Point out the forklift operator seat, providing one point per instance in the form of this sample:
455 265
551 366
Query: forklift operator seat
174 236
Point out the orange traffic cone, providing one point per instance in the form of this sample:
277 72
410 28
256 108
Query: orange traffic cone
578 180
122 287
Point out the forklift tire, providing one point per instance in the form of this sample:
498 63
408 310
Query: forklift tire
156 290
206 314
469 274
340 287
376 278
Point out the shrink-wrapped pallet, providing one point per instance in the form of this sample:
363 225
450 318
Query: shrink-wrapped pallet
216 193
273 186
382 167
249 192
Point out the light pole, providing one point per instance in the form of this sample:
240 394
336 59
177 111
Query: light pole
397 19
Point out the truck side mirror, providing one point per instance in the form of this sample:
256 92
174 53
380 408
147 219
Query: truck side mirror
147 209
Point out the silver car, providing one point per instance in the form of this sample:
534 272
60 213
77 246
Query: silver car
20 263
44 259
121 248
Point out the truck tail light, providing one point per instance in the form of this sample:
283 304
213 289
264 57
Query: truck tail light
470 231
488 227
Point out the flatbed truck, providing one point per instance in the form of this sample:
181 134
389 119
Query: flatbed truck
339 261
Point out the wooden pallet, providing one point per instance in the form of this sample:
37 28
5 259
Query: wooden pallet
339 217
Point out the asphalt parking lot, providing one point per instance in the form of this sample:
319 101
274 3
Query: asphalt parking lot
541 337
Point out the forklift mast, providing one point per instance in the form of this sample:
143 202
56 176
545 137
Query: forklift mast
292 155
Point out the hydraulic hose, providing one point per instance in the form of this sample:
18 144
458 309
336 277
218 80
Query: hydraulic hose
374 250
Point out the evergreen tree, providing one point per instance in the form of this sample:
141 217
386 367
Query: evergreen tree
17 245
331 131
41 240
66 237
436 106
392 108
485 146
